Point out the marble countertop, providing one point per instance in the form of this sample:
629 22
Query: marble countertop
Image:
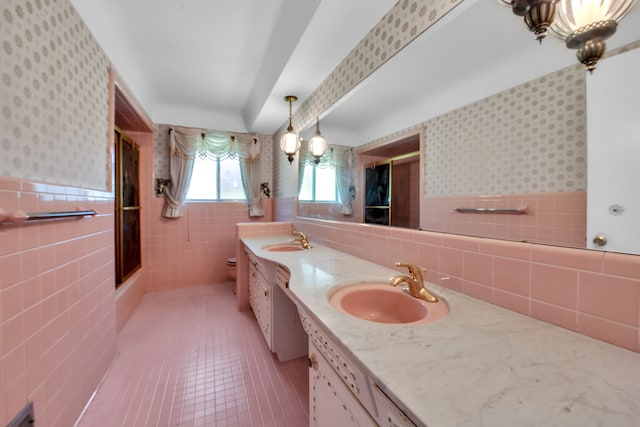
479 366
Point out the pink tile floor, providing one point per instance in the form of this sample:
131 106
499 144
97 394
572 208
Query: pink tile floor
188 357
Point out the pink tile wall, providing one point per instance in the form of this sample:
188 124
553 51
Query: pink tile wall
57 320
192 250
593 293
285 208
128 298
551 218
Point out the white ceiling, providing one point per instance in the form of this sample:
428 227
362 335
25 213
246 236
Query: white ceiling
227 65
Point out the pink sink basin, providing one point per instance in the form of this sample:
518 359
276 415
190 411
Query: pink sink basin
383 303
283 247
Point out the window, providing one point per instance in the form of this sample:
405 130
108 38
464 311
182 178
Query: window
318 184
216 179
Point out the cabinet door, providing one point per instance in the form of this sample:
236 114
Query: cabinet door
263 296
331 403
260 301
253 288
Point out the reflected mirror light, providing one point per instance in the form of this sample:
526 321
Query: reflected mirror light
317 144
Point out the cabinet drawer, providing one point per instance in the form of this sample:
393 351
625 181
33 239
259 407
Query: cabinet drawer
389 415
253 262
282 277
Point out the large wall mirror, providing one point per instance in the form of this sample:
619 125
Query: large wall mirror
500 122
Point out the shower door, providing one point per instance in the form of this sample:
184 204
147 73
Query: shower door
377 204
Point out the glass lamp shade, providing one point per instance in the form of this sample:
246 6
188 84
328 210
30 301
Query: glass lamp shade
290 144
571 15
317 146
585 24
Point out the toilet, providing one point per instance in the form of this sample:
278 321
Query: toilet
231 267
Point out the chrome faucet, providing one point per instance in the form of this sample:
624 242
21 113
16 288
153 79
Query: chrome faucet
415 282
301 238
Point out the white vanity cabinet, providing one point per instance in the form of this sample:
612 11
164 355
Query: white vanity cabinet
260 298
276 314
340 393
331 403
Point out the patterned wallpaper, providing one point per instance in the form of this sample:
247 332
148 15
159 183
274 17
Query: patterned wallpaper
54 96
528 139
405 21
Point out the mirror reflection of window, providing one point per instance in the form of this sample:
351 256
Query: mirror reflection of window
307 185
318 184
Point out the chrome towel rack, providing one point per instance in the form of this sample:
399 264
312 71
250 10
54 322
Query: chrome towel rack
513 211
18 217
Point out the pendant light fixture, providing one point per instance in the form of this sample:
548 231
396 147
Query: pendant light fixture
317 144
585 25
582 24
537 14
290 141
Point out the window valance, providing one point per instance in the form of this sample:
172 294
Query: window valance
189 142
337 156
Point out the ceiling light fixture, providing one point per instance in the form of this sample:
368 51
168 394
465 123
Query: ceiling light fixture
290 141
317 144
582 24
586 24
537 14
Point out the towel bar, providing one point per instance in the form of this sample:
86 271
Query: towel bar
514 211
19 216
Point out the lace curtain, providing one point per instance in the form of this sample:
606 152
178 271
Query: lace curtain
187 143
341 159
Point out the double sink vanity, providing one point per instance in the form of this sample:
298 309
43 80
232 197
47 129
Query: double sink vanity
379 356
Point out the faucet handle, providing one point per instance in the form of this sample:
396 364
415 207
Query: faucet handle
302 238
414 271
